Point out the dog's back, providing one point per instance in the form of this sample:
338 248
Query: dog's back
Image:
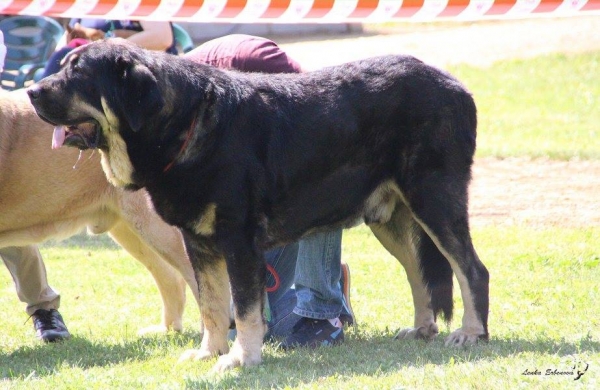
329 138
330 113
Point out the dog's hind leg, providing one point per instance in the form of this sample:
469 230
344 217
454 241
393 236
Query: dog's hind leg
438 201
404 238
169 281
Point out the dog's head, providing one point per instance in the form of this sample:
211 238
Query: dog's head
104 95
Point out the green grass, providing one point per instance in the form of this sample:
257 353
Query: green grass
543 107
544 290
544 314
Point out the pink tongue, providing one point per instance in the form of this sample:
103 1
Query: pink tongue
58 138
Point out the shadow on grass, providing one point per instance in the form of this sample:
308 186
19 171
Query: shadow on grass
376 357
359 355
47 359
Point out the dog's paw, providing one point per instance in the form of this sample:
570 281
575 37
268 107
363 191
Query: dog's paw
226 363
237 358
153 329
462 337
196 354
158 329
426 333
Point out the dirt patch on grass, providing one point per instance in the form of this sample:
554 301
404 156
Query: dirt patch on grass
507 191
535 192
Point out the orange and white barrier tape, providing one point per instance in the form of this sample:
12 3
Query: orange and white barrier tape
301 11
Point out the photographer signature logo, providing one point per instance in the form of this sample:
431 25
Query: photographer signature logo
576 369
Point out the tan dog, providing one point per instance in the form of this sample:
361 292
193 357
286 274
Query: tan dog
42 196
92 34
78 31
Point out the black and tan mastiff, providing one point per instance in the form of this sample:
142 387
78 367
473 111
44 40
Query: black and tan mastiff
244 162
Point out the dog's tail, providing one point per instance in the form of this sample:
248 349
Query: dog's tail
437 275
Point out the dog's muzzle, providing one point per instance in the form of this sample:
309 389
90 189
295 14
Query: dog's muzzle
82 134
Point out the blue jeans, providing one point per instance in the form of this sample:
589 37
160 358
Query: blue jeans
313 267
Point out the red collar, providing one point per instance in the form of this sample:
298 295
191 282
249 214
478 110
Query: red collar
183 146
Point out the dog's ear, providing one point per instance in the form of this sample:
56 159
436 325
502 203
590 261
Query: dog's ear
141 95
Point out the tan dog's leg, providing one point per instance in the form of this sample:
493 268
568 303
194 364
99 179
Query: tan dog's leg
171 284
163 238
157 242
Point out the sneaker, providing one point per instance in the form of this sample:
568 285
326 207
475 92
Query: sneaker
346 318
312 333
49 325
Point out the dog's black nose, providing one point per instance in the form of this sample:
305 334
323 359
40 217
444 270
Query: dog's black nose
34 92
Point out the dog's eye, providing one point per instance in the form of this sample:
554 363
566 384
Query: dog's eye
76 70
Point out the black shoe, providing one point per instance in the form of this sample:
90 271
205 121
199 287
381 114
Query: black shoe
312 333
49 325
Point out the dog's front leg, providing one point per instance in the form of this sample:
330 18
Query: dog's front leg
247 270
215 297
